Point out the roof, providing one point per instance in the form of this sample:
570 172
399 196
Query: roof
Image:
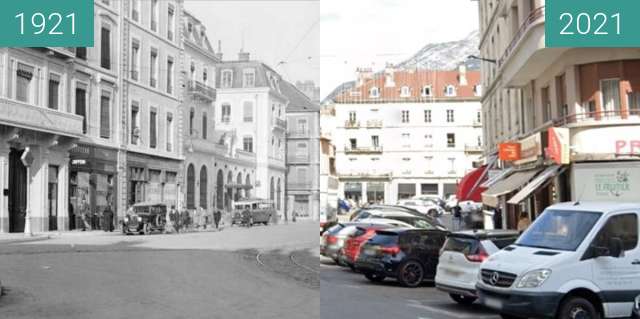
262 72
415 80
195 37
298 101
589 206
344 87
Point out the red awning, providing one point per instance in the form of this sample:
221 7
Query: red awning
469 187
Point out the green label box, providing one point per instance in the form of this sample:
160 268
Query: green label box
592 23
46 23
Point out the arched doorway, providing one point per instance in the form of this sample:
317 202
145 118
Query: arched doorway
203 187
248 184
220 190
239 192
229 192
17 192
191 187
279 194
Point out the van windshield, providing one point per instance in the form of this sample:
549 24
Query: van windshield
559 230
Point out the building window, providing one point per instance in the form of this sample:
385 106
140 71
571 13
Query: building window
249 78
153 70
375 141
426 91
427 116
81 106
302 126
105 48
353 143
81 53
247 108
452 165
192 116
135 60
302 150
405 91
203 187
153 129
634 103
204 125
247 144
170 75
405 116
406 140
479 117
226 113
105 115
450 90
169 132
227 78
191 187
428 140
154 15
205 75
450 116
352 117
451 140
611 97
135 122
374 92
170 22
54 91
135 10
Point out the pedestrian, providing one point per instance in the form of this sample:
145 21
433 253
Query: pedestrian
457 217
107 214
217 216
84 214
175 219
497 218
184 216
523 221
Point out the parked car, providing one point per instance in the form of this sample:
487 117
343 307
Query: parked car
434 198
253 211
460 260
413 218
386 208
147 217
410 255
577 260
424 207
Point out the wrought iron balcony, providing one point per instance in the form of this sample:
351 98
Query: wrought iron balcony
202 90
351 124
374 124
363 150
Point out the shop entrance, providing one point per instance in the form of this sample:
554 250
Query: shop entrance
17 192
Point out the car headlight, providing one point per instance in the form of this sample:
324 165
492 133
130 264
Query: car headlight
534 279
139 218
126 219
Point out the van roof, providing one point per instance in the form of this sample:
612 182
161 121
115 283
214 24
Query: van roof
604 207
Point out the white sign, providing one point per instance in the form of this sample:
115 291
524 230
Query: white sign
606 182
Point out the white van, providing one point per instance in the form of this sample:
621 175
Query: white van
577 260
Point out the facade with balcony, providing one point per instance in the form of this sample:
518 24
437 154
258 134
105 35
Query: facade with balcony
250 114
303 154
406 134
328 174
582 103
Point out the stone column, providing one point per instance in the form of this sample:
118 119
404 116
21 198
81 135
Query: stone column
63 195
4 185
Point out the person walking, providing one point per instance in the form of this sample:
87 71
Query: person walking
107 214
84 214
523 221
217 216
497 218
457 217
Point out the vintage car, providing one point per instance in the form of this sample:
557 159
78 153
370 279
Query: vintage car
248 212
147 217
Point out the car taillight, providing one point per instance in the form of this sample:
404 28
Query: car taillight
390 250
332 240
479 257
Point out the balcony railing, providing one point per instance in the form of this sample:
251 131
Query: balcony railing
367 173
374 124
202 90
473 149
351 124
477 123
64 52
596 116
279 123
363 150
534 16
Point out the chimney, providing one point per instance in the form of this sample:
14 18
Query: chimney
388 75
219 53
244 56
462 74
363 74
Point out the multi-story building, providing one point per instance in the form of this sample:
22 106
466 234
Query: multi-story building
402 133
570 116
250 116
310 89
198 114
303 153
328 174
152 53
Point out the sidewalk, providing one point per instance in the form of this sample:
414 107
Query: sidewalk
14 238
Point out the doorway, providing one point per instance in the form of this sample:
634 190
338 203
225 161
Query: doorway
17 192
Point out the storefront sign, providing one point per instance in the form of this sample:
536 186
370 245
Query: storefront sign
509 151
607 181
605 143
628 147
559 145
530 149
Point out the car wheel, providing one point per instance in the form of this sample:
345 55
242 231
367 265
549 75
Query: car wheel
411 274
373 277
146 229
463 300
578 308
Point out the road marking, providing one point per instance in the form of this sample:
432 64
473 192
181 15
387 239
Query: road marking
293 260
448 313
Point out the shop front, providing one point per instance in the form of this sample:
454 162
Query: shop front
92 186
152 179
612 181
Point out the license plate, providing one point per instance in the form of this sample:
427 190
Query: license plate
369 252
493 303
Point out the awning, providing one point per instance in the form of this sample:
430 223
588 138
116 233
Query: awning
495 178
535 184
469 187
506 186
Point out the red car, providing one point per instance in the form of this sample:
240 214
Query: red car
352 245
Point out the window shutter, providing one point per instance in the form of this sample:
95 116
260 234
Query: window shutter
152 130
105 47
104 117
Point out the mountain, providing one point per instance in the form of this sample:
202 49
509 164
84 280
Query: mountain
446 55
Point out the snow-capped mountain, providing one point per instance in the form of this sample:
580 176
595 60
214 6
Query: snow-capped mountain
446 55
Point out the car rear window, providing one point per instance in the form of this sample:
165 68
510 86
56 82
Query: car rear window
384 239
335 229
467 246
504 241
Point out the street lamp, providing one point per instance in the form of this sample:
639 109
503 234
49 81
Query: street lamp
475 57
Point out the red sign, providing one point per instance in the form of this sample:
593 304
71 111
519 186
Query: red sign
627 147
509 151
559 144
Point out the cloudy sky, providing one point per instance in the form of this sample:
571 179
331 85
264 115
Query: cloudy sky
369 33
274 31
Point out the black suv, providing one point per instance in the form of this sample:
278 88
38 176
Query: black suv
409 255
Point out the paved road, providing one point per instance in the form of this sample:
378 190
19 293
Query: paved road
203 275
344 294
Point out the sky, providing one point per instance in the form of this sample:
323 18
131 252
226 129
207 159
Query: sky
370 33
285 34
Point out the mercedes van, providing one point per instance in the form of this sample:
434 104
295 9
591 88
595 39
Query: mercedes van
577 260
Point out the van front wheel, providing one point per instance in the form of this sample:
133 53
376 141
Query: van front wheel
578 308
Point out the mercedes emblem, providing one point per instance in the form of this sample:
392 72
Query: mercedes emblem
494 278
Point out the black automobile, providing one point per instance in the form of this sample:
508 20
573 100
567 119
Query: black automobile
146 218
409 255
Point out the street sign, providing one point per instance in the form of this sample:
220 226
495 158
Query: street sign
509 151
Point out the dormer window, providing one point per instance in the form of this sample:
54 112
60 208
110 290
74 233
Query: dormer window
249 78
227 78
450 90
426 90
405 91
374 92
190 27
